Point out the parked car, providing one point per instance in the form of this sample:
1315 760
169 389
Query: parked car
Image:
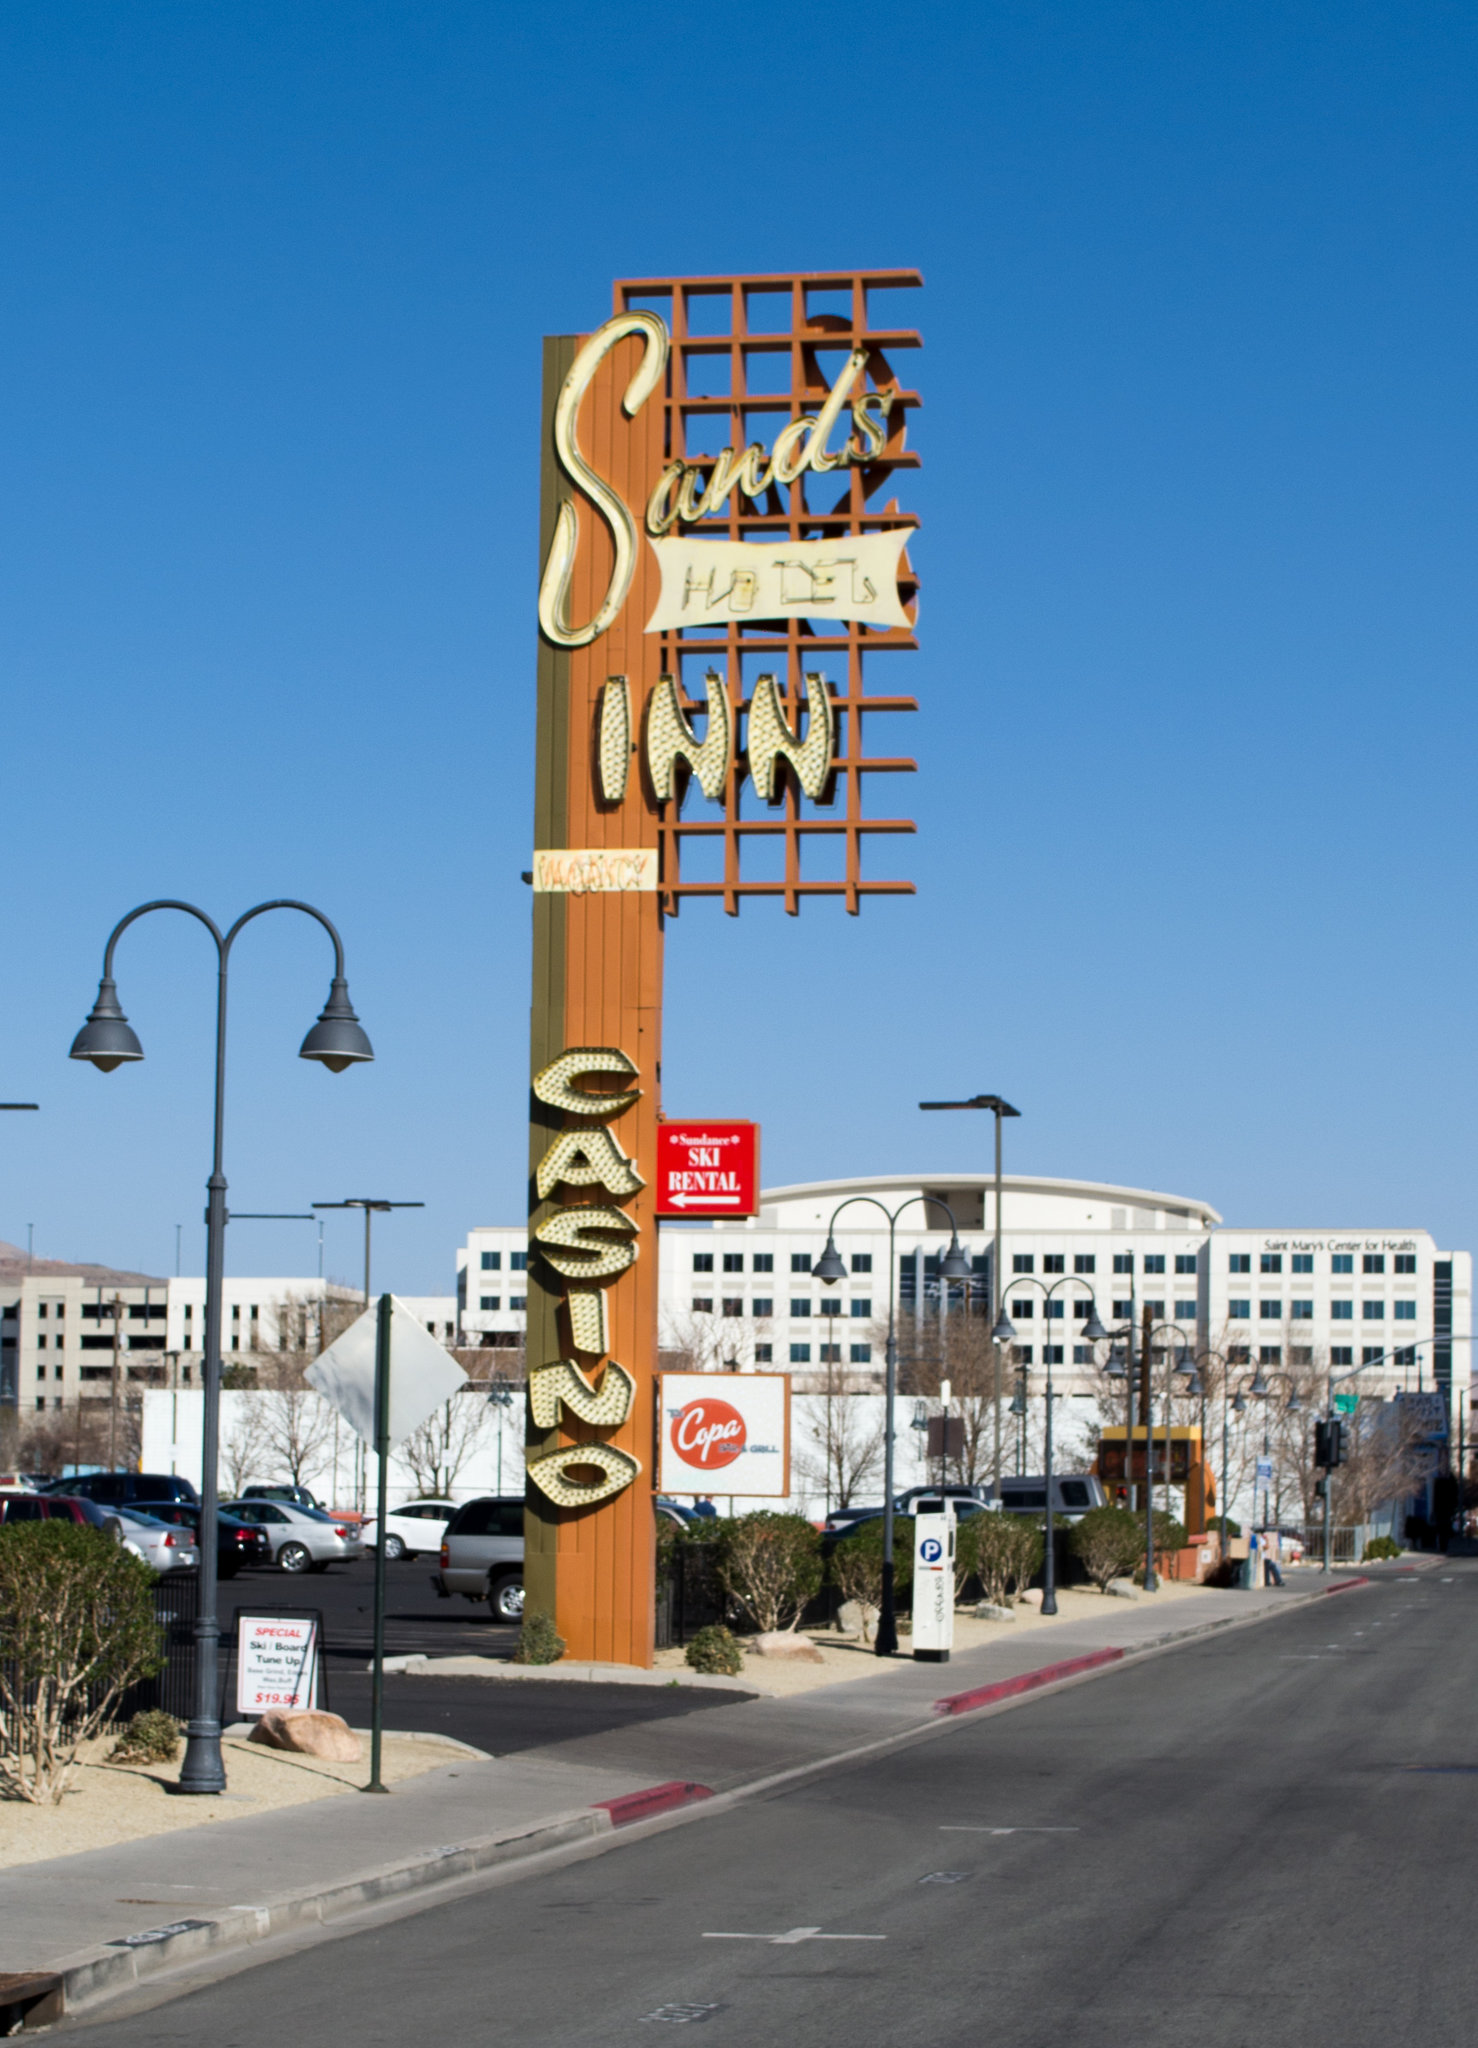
57 1507
238 1542
952 1491
295 1496
302 1539
1074 1494
413 1529
482 1556
164 1545
121 1489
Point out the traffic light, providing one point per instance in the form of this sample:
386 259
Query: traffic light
1329 1448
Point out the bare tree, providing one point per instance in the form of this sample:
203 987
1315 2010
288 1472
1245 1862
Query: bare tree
843 1448
702 1342
242 1449
446 1441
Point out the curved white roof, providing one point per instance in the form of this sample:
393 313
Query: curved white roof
1029 1201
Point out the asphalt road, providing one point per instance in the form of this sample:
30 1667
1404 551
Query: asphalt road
500 1717
1263 1837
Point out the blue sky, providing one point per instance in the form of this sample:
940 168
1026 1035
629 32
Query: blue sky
1195 857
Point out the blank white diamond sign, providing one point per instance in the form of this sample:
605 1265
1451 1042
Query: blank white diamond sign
422 1374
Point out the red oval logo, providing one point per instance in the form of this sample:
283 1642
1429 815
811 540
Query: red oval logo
708 1433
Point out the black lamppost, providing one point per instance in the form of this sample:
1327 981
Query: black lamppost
1005 1333
954 1266
1114 1369
107 1040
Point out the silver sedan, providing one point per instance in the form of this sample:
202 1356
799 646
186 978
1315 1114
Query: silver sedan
302 1539
163 1545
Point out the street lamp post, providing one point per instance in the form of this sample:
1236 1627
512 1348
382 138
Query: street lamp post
1147 1352
953 1266
107 1040
1005 1333
999 1108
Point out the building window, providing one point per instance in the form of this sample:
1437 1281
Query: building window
1239 1354
703 1262
1053 1262
862 1262
800 1262
518 1262
1021 1354
861 1354
862 1307
1301 1354
1123 1262
831 1305
1185 1311
1023 1311
518 1301
1240 1262
1156 1309
1303 1262
763 1305
733 1305
800 1354
1406 1311
1303 1311
1373 1311
800 1307
1051 1354
1022 1262
1239 1310
1342 1311
1084 1262
830 1354
492 1262
1270 1311
1154 1262
1341 1354
1342 1262
1052 1310
1123 1308
488 1303
1082 1354
1081 1308
1185 1262
1405 1262
1371 1354
762 1262
703 1305
1373 1262
1270 1262
733 1262
764 1354
1270 1354
1405 1355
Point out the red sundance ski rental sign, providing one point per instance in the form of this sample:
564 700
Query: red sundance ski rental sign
708 1168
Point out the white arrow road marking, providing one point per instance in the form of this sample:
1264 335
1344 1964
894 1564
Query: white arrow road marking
961 1828
794 1935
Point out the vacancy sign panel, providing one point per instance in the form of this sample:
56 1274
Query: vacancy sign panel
724 1433
708 1167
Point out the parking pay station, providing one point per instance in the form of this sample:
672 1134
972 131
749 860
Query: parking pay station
933 1580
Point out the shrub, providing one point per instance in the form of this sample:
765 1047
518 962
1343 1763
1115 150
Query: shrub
1004 1552
770 1564
538 1641
77 1628
1109 1542
1379 1547
857 1562
1169 1534
714 1649
152 1737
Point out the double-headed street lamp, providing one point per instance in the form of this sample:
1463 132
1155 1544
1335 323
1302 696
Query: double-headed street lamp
954 1266
107 1040
999 1108
1116 1368
1005 1333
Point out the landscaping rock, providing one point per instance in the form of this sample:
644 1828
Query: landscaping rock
987 1610
856 1619
1032 1597
309 1734
1122 1589
784 1642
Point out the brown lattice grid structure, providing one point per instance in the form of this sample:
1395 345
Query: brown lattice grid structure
736 316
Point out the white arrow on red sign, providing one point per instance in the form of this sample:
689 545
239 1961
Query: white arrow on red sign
704 1201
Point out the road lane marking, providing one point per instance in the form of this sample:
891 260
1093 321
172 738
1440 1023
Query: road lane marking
681 2015
794 1935
965 1828
945 1877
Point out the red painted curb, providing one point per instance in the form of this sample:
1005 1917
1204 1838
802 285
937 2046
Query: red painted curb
1009 1688
1346 1586
655 1799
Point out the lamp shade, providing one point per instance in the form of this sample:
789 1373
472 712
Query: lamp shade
107 1039
1114 1366
338 1039
955 1265
1005 1330
1018 1402
829 1266
1259 1387
1093 1330
1193 1386
1293 1404
1239 1404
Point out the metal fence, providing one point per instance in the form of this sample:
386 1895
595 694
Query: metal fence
176 1605
1346 1546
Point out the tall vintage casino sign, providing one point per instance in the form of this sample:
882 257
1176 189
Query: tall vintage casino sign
722 562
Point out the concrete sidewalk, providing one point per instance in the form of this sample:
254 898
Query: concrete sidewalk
109 1919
